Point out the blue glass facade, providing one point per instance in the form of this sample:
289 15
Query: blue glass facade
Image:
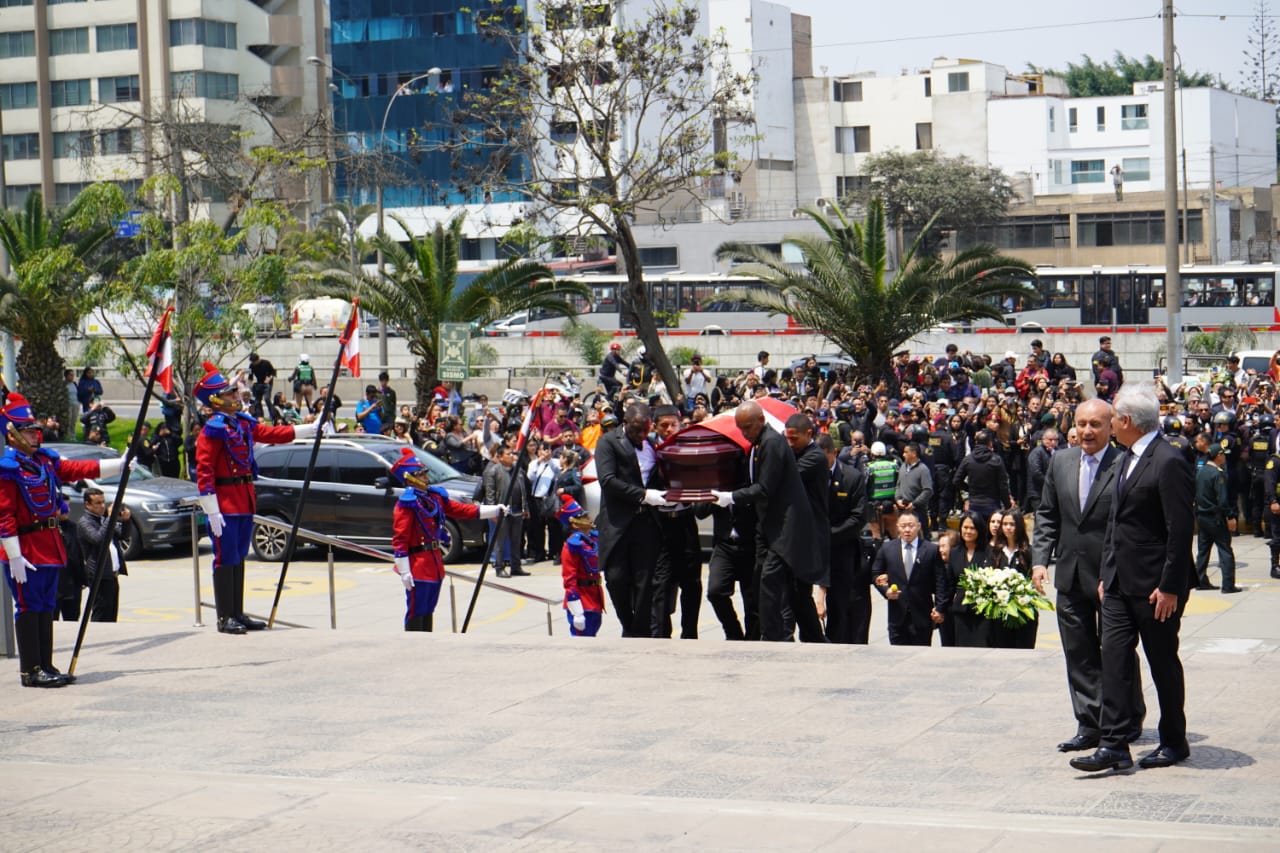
378 46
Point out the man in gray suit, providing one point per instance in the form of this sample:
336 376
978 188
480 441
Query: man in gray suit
1075 505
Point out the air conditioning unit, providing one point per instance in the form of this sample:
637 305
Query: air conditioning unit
737 205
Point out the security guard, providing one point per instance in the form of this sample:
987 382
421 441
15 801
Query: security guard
1256 462
1271 489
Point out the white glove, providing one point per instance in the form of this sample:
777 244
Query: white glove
653 497
493 510
406 575
209 503
18 564
304 430
724 499
576 614
115 559
112 467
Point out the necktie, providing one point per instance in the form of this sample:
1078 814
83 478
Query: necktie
909 558
1088 470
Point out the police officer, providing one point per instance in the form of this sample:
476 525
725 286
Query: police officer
882 483
1256 462
1271 491
1173 434
1227 436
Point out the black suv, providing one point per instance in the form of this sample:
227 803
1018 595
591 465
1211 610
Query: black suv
350 496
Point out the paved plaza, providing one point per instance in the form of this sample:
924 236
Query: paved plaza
505 739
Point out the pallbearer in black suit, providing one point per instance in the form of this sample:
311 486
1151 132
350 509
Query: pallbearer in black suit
815 475
848 598
1146 579
1075 507
908 572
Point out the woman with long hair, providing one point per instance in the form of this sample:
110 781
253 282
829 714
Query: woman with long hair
1013 551
967 628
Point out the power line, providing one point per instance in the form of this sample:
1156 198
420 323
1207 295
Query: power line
1001 31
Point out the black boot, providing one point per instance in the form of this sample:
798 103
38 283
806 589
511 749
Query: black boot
27 629
501 571
1275 559
415 623
46 649
238 589
224 601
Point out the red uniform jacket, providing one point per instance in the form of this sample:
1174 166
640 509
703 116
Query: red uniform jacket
31 500
418 530
224 459
580 566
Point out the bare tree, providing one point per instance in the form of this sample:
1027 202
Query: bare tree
1262 65
597 118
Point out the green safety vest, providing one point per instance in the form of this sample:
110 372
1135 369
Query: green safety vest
884 479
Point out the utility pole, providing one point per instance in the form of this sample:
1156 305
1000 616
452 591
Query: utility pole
1172 275
1211 211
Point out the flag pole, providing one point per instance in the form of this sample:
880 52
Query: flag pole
347 334
521 456
155 351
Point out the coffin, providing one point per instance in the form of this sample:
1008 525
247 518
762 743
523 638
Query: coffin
696 460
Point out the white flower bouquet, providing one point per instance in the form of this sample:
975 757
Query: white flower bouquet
1002 595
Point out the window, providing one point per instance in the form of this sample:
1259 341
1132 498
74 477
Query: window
9 4
958 81
1072 119
70 93
1140 228
928 86
1052 120
204 84
564 132
560 17
596 15
1023 232
15 195
72 143
17 44
205 32
1088 171
74 40
114 90
122 140
1057 170
1136 168
66 193
21 146
355 467
847 185
659 256
1133 116
848 90
117 37
924 135
1102 118
853 140
465 23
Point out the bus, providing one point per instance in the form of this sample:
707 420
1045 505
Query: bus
1132 299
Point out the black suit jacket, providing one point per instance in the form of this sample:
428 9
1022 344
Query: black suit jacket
784 521
621 490
847 503
922 593
90 531
816 477
1148 543
1076 535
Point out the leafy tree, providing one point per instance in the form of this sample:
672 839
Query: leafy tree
596 120
1262 65
845 292
924 188
52 253
1088 78
420 291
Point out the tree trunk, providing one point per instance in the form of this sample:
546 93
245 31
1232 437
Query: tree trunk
424 380
40 368
638 299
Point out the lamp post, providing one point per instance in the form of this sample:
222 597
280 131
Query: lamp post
382 131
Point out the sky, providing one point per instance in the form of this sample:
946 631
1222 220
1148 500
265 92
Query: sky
886 37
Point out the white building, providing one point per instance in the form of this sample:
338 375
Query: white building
78 80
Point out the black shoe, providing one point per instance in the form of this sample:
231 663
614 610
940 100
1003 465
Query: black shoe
519 573
1104 759
1164 756
250 624
231 625
1078 743
57 673
1275 572
37 677
1228 590
1206 585
503 573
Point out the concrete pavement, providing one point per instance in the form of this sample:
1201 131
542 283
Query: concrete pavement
178 738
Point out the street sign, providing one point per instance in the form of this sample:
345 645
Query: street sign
455 351
129 226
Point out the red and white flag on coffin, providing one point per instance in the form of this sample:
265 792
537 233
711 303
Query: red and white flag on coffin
160 353
351 341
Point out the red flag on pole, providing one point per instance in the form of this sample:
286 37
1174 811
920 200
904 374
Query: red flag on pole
351 341
160 353
526 425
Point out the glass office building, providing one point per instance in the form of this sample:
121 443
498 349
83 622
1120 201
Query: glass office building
379 46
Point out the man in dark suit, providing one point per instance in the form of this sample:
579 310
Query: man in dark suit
1146 579
679 566
908 572
848 598
816 477
91 530
785 538
629 535
1075 506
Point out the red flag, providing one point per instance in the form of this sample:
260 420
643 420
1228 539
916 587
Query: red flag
160 353
351 341
527 424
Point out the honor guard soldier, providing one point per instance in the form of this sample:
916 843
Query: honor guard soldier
31 505
580 566
1271 491
1256 460
419 537
225 471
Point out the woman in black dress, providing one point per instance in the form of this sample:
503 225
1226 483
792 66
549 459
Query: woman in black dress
1014 552
967 628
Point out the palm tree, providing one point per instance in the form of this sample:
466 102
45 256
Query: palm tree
420 291
844 290
46 294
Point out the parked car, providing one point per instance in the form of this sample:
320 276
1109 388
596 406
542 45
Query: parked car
351 494
158 517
